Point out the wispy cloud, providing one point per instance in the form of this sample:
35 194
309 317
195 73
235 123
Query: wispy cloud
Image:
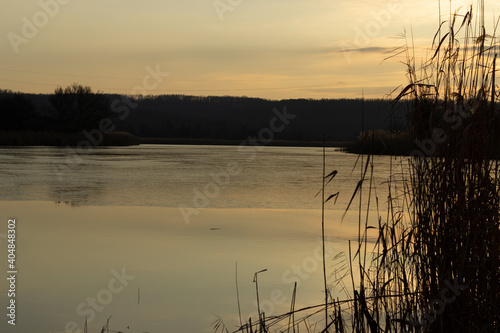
371 49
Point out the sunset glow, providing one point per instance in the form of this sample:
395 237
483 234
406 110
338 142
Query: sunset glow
279 49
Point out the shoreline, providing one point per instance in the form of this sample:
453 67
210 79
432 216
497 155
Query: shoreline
117 139
218 142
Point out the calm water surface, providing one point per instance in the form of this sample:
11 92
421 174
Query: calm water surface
150 235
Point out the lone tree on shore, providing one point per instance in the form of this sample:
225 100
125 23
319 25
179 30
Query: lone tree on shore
76 108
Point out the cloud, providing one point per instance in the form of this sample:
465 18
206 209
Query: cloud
352 91
371 49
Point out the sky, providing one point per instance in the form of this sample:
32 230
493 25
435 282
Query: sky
274 49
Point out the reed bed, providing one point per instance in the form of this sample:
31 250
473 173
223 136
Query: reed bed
435 266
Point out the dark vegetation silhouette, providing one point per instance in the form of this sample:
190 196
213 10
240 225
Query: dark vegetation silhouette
237 118
181 118
76 108
16 112
431 262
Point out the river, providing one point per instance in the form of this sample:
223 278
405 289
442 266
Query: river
150 235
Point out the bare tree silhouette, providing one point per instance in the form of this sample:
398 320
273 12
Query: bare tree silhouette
76 108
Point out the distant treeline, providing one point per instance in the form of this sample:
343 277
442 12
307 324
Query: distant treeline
77 108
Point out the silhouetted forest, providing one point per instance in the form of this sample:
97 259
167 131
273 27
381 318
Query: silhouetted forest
77 108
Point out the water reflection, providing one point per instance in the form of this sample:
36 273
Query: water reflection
128 217
76 192
185 272
169 176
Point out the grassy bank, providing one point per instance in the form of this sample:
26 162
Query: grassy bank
197 141
27 138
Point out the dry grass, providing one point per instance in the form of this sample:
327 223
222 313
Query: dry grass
435 266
